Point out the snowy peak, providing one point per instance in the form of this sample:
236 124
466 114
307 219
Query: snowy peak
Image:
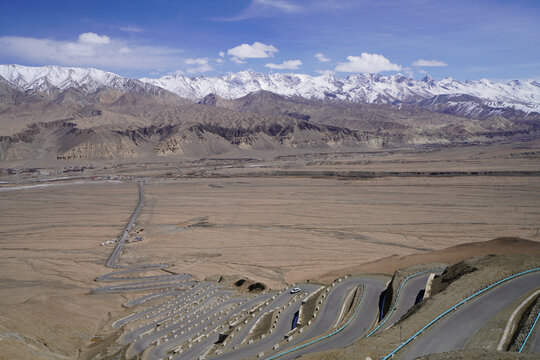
47 77
88 80
364 88
368 88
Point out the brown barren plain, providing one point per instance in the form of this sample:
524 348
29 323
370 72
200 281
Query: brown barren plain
236 221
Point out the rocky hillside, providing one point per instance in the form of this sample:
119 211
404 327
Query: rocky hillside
59 114
522 96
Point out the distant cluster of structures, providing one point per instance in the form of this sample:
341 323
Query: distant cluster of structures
137 236
113 177
108 242
137 239
128 240
41 172
32 172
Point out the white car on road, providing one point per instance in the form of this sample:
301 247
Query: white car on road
295 290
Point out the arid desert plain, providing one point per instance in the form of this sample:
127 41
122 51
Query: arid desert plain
277 222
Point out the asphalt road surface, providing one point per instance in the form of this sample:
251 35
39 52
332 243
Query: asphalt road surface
279 301
153 296
187 295
210 321
116 252
453 331
282 327
161 314
533 343
200 348
212 304
199 310
407 298
357 328
329 312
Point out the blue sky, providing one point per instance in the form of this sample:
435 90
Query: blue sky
461 39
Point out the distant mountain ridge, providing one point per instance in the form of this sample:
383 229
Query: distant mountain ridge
366 88
54 113
50 78
363 88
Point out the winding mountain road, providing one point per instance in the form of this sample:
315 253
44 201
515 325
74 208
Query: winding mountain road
453 331
187 316
364 318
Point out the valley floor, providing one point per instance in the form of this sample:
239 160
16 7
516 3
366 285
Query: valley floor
275 221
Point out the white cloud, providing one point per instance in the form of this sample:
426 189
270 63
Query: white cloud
408 72
321 57
238 61
202 65
423 72
423 62
93 38
281 8
325 72
287 64
266 8
256 51
89 49
281 5
221 54
131 28
367 63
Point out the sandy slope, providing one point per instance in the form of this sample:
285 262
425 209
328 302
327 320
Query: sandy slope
450 255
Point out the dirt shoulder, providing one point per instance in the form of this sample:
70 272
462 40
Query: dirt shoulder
478 355
453 254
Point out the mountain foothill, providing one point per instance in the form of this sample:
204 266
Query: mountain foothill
56 113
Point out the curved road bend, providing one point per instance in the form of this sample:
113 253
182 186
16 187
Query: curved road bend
143 286
163 314
407 297
329 311
453 331
114 276
357 328
178 302
279 301
282 327
204 321
200 348
212 303
153 296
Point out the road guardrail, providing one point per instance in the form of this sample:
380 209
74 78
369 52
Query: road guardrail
456 306
324 337
397 297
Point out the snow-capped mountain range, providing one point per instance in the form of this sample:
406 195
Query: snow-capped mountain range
52 78
366 88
